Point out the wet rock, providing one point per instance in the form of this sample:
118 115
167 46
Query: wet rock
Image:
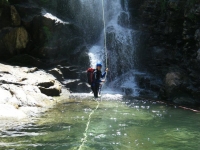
83 76
172 85
26 60
9 111
72 84
187 101
83 87
56 73
5 18
127 91
16 20
173 79
32 70
197 37
69 72
46 84
198 55
26 91
50 88
123 19
51 91
27 11
5 96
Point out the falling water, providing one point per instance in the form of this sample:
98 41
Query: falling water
120 45
121 39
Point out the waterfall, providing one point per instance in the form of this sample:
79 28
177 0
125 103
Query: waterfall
121 39
120 45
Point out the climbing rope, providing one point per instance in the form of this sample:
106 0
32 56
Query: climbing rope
87 126
105 37
105 40
84 140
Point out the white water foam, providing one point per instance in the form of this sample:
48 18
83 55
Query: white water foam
108 95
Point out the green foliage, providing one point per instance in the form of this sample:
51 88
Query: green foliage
44 1
163 5
47 33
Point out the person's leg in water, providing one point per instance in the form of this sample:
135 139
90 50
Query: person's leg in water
96 91
93 88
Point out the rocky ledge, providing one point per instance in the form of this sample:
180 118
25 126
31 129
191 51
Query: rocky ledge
26 92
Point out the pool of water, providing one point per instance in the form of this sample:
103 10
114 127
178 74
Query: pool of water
117 124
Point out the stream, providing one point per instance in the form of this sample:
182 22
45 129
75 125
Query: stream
118 124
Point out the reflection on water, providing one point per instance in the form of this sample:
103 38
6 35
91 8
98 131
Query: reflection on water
115 125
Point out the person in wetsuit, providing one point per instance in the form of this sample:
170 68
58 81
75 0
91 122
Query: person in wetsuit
96 79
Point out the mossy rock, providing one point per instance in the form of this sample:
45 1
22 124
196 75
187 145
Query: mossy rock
3 3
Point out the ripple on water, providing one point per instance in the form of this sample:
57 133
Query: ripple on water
114 125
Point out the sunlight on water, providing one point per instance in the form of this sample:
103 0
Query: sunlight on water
124 124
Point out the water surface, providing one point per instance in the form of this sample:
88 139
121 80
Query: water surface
115 125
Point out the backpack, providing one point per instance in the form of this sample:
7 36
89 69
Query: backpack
90 72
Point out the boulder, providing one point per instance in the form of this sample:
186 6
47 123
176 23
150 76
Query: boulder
172 87
70 72
50 88
56 73
72 84
15 18
16 40
46 84
51 91
173 79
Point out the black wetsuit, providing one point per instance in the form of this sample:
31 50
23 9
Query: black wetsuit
97 75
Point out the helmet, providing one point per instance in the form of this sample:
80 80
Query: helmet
99 64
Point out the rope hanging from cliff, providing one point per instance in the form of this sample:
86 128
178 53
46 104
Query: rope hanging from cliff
105 37
84 140
105 40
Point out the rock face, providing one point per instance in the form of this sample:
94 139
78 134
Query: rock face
56 73
16 40
27 28
16 20
22 87
169 45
